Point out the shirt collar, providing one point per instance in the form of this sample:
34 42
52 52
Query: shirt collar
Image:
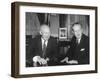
46 42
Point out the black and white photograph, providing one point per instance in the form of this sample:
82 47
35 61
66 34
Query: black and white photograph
51 39
43 43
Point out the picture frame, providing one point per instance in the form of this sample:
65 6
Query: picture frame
18 39
63 33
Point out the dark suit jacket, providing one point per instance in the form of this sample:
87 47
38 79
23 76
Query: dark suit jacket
79 52
35 49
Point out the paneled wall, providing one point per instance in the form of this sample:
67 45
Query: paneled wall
32 24
68 20
34 20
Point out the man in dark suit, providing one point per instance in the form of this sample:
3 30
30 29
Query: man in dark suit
43 48
78 52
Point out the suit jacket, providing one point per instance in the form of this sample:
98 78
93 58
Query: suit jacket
79 52
35 49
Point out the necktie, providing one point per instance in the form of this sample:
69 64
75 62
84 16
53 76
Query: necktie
44 49
77 42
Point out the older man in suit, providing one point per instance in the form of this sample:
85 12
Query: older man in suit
43 48
78 52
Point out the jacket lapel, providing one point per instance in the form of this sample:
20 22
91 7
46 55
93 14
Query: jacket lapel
40 44
48 46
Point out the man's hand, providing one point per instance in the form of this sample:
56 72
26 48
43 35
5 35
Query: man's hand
36 59
47 59
69 62
64 60
72 62
42 61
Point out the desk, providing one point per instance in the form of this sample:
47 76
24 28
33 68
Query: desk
63 43
63 46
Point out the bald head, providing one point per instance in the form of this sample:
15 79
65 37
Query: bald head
45 31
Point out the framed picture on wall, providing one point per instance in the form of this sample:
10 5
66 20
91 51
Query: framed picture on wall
36 30
62 33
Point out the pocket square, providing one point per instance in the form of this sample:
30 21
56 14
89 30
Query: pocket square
82 49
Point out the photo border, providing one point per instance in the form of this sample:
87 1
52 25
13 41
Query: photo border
15 33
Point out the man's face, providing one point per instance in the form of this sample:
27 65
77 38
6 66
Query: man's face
45 32
77 31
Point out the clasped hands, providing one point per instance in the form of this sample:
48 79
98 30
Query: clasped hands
41 61
69 62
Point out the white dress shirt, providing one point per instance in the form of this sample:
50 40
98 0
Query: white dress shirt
46 42
79 41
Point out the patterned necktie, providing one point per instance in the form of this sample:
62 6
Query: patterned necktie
44 49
